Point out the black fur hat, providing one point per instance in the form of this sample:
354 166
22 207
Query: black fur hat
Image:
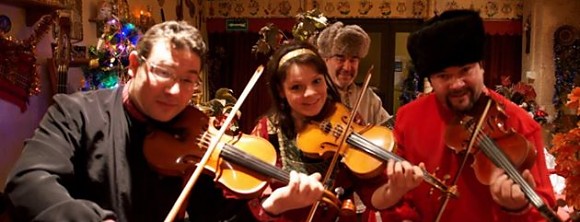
454 38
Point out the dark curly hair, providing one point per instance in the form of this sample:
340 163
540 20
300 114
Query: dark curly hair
277 74
179 34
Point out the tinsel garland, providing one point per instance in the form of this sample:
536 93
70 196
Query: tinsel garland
567 65
566 140
18 72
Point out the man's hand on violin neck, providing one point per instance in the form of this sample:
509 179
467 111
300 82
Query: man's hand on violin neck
403 176
508 194
302 190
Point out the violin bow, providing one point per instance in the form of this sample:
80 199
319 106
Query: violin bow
534 199
342 139
500 160
214 141
464 162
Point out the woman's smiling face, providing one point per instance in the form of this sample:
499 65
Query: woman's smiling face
304 89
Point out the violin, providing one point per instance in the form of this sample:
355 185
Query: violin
502 149
241 163
366 150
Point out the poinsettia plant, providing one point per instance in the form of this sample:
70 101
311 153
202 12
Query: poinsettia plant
219 107
523 95
566 149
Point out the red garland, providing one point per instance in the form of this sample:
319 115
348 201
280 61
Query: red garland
18 73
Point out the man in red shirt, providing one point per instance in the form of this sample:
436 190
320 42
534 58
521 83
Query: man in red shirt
448 51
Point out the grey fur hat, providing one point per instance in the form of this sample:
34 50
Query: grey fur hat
454 38
338 39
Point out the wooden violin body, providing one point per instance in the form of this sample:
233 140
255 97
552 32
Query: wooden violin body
322 139
242 163
178 152
515 147
367 148
496 148
493 136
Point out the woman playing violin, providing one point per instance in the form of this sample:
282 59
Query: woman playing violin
85 162
301 91
448 51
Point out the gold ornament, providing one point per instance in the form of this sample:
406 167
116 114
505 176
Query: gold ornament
94 63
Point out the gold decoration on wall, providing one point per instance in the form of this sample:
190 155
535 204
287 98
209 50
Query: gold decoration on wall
495 9
343 7
365 7
385 8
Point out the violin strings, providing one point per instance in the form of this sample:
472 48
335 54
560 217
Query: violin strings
495 154
499 159
385 155
490 146
267 169
242 158
377 151
258 164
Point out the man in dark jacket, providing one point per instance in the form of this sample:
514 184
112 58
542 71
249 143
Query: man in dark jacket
85 161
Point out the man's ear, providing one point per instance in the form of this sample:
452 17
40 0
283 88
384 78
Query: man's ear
133 63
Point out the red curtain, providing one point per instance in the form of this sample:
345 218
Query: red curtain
503 57
503 51
509 27
231 64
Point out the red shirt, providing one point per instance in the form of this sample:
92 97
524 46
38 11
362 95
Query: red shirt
420 128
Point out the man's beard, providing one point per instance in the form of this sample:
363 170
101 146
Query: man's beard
471 100
340 84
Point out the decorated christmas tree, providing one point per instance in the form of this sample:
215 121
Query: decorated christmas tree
409 88
110 57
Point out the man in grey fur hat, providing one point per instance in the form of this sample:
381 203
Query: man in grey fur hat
342 47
